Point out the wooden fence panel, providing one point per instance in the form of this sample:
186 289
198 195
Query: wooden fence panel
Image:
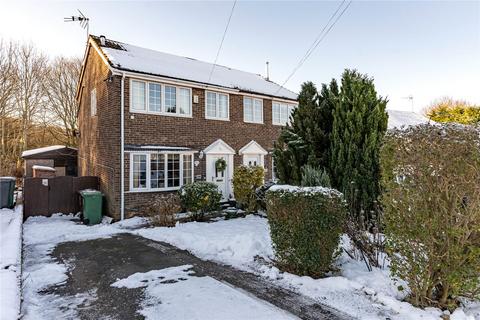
45 196
35 197
60 195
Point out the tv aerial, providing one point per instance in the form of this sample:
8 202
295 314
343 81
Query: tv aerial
81 18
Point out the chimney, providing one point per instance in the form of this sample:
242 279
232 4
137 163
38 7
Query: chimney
268 71
102 40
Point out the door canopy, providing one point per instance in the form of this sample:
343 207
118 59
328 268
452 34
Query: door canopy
219 147
253 148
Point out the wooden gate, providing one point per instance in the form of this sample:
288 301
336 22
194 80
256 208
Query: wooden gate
45 196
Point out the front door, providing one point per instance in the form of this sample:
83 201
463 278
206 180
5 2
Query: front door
219 177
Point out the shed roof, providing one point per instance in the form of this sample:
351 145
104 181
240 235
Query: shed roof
49 152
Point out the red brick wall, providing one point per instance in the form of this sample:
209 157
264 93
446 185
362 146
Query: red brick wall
99 143
99 148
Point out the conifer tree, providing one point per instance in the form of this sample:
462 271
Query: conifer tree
359 124
306 141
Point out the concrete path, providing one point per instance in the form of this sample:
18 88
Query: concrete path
96 264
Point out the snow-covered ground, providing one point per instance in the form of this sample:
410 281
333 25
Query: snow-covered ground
41 235
354 290
199 296
10 262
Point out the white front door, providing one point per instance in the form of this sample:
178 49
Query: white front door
252 160
219 177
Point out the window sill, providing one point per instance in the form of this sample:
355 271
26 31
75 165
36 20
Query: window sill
253 122
162 114
219 119
152 190
279 124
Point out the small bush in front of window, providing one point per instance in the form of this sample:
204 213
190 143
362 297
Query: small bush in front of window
200 197
314 177
305 227
162 209
245 181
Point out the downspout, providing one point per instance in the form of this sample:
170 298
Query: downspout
122 148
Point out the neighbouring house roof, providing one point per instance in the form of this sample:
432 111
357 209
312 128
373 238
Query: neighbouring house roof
127 57
398 119
48 152
159 148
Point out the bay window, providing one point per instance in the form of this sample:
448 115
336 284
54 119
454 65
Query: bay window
216 106
157 98
252 110
160 171
281 113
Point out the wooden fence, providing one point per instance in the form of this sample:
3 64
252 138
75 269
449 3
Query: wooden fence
45 196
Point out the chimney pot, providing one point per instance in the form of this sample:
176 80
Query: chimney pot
102 40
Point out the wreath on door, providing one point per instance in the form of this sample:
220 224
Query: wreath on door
220 164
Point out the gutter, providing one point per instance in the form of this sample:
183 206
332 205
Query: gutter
122 148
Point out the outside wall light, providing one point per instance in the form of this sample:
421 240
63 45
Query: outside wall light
200 155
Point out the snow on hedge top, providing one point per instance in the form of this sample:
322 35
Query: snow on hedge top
149 61
294 189
398 119
40 150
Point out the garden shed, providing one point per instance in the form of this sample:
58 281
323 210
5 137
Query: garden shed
61 158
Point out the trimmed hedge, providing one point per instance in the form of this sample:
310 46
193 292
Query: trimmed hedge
200 197
305 227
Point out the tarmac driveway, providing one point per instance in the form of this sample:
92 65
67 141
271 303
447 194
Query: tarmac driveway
95 265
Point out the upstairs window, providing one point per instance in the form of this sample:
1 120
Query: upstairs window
93 102
252 110
156 98
138 95
216 106
281 113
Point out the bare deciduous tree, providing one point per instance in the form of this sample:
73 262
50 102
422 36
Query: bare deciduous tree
8 84
30 95
61 87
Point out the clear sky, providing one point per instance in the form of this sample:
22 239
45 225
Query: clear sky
426 49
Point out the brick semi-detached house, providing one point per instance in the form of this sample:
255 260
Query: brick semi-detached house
159 121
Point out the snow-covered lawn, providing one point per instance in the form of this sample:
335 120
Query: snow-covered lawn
354 290
10 262
201 297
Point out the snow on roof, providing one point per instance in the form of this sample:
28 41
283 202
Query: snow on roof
137 59
41 150
44 168
398 119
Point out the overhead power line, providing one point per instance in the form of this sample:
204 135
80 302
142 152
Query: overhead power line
323 33
223 38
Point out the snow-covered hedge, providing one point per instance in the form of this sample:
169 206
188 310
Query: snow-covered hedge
431 178
305 227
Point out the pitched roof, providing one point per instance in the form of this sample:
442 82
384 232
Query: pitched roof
128 57
398 119
47 150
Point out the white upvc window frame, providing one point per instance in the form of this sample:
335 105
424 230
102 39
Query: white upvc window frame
148 171
217 105
93 102
253 110
162 111
290 107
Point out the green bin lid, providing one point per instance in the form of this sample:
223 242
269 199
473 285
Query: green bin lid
90 192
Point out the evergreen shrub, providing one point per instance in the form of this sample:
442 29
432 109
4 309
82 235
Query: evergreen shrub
200 197
245 181
313 177
305 227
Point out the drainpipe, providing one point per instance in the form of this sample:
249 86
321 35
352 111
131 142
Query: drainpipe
122 148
